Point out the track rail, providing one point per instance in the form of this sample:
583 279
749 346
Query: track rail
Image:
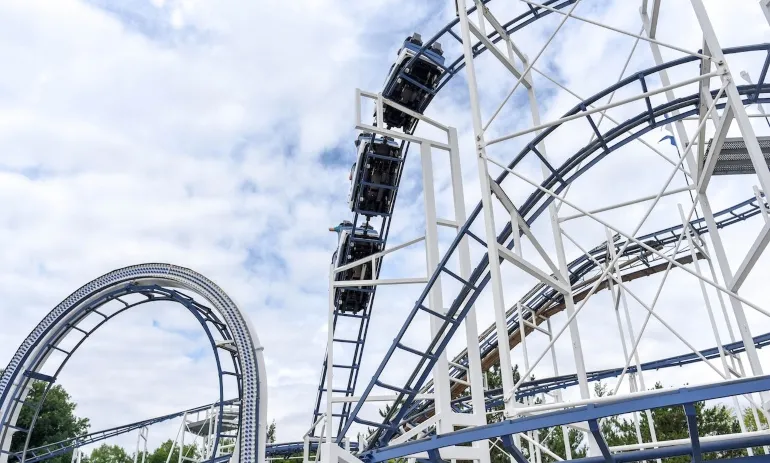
493 397
45 452
592 413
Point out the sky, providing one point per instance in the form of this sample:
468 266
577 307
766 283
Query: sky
218 136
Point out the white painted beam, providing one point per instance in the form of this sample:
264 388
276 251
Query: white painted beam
532 270
712 156
498 54
757 248
508 205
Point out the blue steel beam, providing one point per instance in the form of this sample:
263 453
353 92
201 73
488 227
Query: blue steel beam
286 449
623 405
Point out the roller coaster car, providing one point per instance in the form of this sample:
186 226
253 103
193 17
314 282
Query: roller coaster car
374 174
351 247
412 86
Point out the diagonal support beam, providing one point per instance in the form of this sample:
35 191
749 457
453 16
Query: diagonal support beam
751 258
415 430
499 55
615 29
712 156
501 31
519 220
533 270
593 426
654 19
765 5
692 428
507 443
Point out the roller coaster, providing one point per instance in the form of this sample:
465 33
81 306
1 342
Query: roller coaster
438 406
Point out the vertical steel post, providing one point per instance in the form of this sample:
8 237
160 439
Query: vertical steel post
727 276
506 370
475 375
712 319
631 334
441 385
329 444
577 347
181 437
569 303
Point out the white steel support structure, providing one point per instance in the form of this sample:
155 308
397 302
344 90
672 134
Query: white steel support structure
495 251
141 446
565 289
619 298
506 369
738 111
699 167
765 5
445 419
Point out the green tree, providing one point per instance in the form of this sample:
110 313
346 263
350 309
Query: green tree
55 422
551 438
110 454
271 433
671 423
226 445
751 425
161 454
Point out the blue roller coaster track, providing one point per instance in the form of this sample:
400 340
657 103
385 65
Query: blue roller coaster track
538 201
352 366
592 413
45 452
603 144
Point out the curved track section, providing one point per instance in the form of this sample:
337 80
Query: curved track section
129 287
455 66
545 302
537 202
